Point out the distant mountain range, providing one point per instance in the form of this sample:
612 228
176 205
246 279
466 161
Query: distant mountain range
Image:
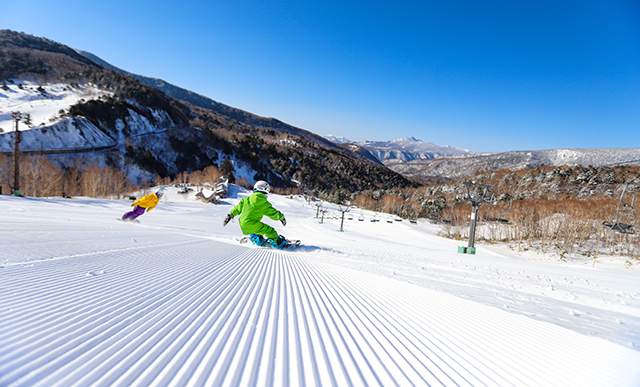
423 160
409 148
403 149
470 164
338 139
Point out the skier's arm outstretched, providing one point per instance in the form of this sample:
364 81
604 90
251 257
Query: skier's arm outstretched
237 210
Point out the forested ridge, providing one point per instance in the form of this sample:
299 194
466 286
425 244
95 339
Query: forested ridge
199 136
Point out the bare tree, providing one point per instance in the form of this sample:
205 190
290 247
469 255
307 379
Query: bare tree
71 181
91 180
211 174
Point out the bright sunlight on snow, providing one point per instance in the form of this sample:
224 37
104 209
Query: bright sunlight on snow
42 103
175 300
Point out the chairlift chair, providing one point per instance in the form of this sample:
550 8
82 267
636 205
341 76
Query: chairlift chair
499 218
624 219
361 217
375 218
447 217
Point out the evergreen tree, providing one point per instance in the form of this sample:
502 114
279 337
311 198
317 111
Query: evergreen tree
227 169
27 120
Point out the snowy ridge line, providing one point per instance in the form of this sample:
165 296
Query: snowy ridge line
228 315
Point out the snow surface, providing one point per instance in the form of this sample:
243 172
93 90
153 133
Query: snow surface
175 300
70 134
43 107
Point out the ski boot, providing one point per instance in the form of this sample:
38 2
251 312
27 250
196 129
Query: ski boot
278 243
257 239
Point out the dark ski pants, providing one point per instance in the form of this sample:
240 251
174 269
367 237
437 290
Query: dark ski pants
133 214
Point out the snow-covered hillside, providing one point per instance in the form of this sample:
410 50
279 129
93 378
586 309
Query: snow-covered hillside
42 102
60 137
70 134
47 131
176 300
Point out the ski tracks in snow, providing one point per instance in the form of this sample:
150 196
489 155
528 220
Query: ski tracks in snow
207 313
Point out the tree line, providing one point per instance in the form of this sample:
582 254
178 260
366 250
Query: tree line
40 177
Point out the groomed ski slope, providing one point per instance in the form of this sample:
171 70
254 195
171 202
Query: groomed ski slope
86 300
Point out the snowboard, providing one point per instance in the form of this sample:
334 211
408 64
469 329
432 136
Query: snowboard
291 244
128 221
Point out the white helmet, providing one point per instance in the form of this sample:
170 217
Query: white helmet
261 186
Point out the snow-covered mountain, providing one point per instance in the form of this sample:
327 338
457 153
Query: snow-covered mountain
71 134
158 129
338 139
414 158
238 114
409 148
402 149
472 163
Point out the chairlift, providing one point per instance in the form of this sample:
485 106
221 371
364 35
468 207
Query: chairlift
447 217
390 219
500 218
361 217
625 217
413 221
375 217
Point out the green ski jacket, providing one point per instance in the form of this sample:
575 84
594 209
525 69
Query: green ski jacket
251 210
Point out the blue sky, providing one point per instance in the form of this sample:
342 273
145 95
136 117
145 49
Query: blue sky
482 75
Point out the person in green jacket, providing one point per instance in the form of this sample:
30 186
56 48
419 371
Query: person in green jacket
251 210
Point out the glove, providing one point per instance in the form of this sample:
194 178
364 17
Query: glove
227 220
284 221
